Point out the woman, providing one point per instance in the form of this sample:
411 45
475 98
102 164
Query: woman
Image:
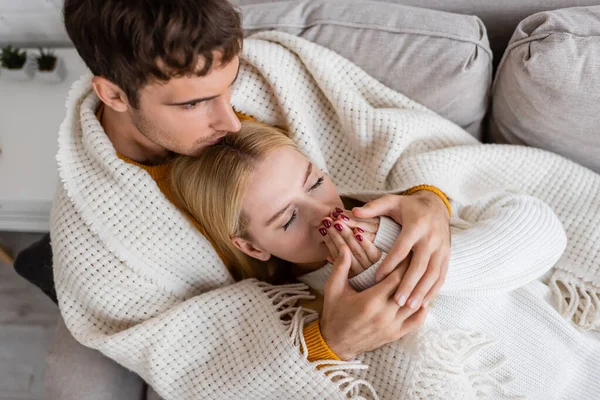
492 333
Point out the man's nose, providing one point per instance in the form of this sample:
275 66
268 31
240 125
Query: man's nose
227 120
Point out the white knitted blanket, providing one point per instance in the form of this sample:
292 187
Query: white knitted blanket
373 140
136 280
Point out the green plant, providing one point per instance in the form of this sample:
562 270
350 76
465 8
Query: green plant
13 57
46 60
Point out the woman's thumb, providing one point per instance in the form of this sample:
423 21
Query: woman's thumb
338 279
375 208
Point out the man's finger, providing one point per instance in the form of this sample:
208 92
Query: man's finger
431 276
399 251
388 286
376 208
413 322
433 292
417 268
338 279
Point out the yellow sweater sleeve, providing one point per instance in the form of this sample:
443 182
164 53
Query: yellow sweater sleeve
432 189
317 348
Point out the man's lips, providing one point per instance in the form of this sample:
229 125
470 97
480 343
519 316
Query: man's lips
216 140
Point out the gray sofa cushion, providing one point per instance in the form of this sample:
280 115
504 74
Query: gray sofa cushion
547 90
75 372
500 17
439 59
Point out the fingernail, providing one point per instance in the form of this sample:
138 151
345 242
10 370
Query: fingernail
338 227
412 304
359 237
323 231
425 304
327 223
339 210
360 230
335 215
344 217
401 301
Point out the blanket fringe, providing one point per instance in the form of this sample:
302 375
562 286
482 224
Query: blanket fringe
443 367
285 298
578 301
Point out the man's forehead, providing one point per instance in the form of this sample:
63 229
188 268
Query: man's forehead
217 80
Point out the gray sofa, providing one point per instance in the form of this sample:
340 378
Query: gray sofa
494 68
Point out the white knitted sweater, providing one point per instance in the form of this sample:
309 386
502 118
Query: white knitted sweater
482 339
136 280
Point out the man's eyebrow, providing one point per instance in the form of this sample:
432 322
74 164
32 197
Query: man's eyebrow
202 99
236 75
280 212
193 101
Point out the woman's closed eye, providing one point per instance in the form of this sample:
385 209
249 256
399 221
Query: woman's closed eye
290 222
294 215
317 184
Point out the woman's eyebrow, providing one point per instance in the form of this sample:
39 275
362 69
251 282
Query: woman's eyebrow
308 171
277 215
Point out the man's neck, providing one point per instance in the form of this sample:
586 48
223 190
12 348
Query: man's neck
128 141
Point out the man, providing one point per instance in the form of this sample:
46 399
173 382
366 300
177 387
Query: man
135 283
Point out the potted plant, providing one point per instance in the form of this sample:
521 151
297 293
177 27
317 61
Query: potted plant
50 68
13 62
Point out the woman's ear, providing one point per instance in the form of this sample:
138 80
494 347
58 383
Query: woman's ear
110 94
250 249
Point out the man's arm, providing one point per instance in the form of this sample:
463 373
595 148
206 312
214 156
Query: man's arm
499 243
424 213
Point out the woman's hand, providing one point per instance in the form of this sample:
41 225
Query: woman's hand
426 233
367 227
357 235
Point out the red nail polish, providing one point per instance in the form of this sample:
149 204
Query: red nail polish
359 237
338 227
334 214
360 230
323 231
344 217
339 210
327 223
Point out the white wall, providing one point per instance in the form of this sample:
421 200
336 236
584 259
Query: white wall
30 115
32 22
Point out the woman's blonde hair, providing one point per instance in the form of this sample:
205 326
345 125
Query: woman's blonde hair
211 188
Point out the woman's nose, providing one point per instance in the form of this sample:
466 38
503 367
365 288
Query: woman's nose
319 211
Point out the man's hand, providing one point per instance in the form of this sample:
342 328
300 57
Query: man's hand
426 232
353 323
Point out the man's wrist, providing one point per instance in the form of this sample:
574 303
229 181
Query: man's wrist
317 347
431 192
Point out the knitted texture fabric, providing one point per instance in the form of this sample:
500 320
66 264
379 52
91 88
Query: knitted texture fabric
490 341
138 282
372 140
